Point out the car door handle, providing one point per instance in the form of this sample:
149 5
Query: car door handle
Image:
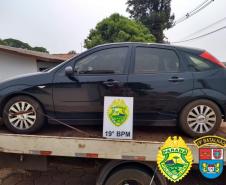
176 79
110 83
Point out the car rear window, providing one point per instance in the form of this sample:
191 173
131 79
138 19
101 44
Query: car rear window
199 64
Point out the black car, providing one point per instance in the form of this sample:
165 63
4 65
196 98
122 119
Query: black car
170 85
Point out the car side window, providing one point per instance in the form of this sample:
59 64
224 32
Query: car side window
107 61
198 64
155 60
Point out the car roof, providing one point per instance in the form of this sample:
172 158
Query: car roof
160 45
132 43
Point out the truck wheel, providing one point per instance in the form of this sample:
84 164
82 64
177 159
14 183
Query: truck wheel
23 115
200 117
132 176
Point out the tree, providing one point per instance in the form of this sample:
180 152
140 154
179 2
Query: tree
72 52
16 43
176 158
1 42
40 49
117 28
154 14
19 44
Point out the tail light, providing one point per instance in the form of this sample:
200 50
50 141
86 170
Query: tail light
212 59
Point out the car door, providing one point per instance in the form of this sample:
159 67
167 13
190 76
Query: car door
158 84
102 72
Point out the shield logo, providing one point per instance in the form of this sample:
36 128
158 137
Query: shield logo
174 159
118 112
211 162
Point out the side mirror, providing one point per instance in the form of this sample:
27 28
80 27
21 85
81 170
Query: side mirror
69 71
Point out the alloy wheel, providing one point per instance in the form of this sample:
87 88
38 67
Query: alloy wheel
201 119
22 115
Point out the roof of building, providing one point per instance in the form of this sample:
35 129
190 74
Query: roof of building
65 56
38 55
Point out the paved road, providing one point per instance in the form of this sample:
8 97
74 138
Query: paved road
67 175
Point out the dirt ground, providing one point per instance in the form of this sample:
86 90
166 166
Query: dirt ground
67 175
56 175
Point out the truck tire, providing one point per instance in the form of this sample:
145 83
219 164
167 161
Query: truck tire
23 115
133 176
200 117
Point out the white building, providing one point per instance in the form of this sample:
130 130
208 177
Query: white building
17 61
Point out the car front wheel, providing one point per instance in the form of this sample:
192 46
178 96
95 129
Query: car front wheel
200 117
23 115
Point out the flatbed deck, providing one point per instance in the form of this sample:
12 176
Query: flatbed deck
62 141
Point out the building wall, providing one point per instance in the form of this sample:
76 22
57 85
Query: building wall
12 65
43 65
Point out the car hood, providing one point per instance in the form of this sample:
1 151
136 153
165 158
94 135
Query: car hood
31 79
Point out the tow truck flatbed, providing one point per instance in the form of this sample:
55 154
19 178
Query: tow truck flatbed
61 141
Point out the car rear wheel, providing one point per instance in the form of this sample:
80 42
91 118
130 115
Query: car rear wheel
129 176
23 115
200 117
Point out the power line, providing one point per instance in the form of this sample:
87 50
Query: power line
190 14
194 11
209 26
204 35
199 6
184 17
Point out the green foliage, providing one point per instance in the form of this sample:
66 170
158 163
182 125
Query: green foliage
154 14
40 49
1 42
19 44
72 52
117 28
16 43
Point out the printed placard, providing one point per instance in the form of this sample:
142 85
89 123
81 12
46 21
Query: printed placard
118 117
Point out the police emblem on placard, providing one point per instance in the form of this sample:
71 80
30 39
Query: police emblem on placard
174 159
118 112
211 159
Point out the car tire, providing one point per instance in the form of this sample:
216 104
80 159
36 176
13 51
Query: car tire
129 176
199 118
23 115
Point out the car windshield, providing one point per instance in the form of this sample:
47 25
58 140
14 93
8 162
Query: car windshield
52 69
59 65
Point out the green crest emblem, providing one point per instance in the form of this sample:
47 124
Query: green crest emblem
174 159
118 112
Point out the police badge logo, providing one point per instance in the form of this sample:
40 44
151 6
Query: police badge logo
174 159
211 160
118 112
